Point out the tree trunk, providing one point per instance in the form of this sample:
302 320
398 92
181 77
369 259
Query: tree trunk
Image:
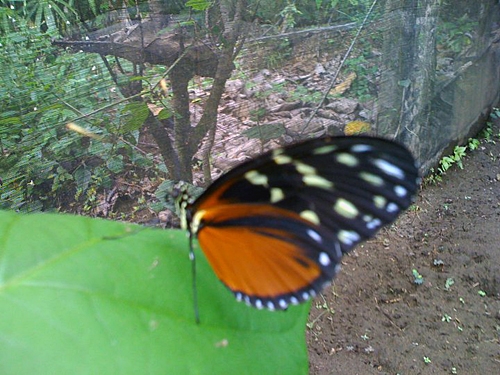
179 80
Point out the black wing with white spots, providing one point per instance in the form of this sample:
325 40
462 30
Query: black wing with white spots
352 186
274 229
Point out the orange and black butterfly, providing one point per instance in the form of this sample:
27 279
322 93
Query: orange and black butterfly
274 229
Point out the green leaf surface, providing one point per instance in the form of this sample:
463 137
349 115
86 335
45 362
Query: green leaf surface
199 4
90 296
133 116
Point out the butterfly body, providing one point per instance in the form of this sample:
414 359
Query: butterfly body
274 229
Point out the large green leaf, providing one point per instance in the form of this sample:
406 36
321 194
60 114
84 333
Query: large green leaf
88 296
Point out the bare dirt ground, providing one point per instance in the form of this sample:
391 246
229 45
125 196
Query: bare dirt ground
377 320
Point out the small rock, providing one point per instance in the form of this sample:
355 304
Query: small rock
343 105
319 69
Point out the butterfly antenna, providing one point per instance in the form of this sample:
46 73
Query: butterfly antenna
192 258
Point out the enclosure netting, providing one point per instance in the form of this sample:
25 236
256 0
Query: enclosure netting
102 103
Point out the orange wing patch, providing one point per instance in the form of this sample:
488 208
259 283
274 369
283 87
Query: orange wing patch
260 262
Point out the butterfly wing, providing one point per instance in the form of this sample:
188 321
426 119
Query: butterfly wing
310 201
268 257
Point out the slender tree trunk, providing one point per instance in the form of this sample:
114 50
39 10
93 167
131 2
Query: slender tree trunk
229 14
179 80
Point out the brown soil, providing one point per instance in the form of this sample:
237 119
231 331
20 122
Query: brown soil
377 320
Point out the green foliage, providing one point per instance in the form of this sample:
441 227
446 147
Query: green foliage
199 5
459 152
8 17
44 88
456 35
51 16
304 94
134 115
446 318
302 13
449 283
456 158
362 87
288 15
89 296
473 144
487 132
417 277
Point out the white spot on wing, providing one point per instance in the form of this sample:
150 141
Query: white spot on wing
400 191
324 150
345 208
392 207
276 195
373 223
310 176
282 303
347 159
256 178
304 169
258 304
361 148
310 216
348 237
314 235
317 181
324 259
379 201
389 168
372 178
282 159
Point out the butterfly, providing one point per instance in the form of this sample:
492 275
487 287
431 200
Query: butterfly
274 229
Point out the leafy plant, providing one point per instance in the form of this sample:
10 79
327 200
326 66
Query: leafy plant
487 132
446 318
459 152
362 87
456 158
82 296
200 5
473 143
288 15
456 35
43 89
417 277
